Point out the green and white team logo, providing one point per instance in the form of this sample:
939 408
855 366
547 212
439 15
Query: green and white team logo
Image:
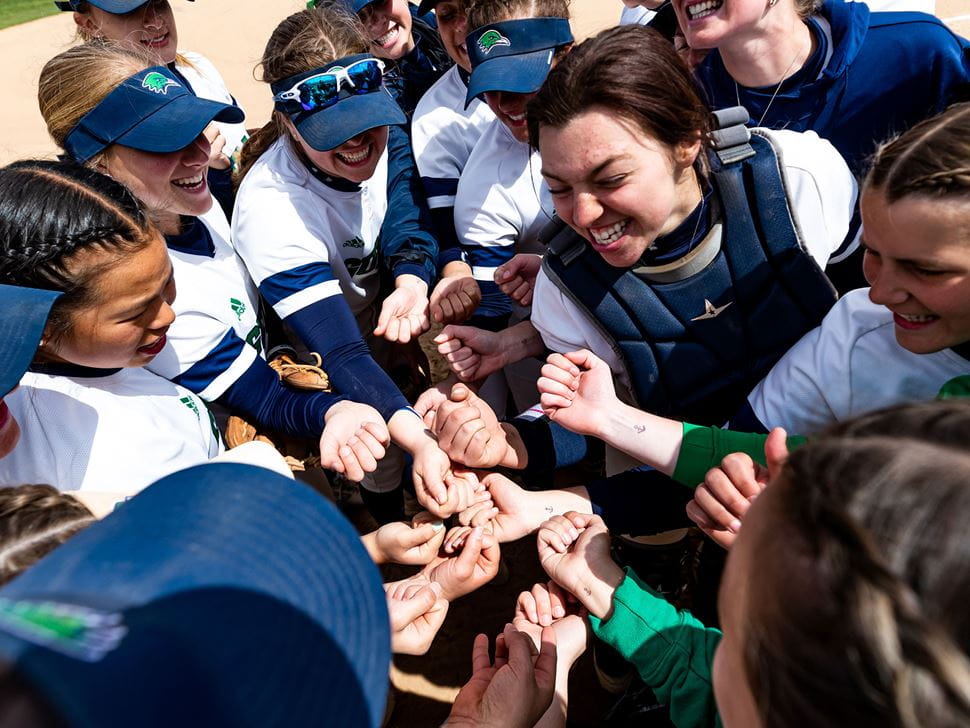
158 83
79 632
490 39
238 307
190 403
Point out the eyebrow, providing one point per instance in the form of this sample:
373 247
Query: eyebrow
143 302
906 261
599 168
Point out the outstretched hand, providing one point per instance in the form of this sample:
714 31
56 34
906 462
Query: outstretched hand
455 297
354 439
417 611
517 278
576 391
404 313
722 500
469 431
475 565
472 353
514 690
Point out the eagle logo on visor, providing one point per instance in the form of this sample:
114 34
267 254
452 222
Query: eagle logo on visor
158 83
490 39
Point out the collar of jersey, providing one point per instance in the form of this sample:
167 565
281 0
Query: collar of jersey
684 238
335 183
66 369
195 239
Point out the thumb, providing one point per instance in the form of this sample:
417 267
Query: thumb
459 392
469 554
776 451
584 358
418 535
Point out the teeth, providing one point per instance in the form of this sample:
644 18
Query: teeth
188 181
386 38
701 10
912 318
355 157
607 235
517 117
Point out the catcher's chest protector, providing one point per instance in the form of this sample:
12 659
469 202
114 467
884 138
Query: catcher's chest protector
697 335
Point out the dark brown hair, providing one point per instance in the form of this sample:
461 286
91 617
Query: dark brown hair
633 73
858 615
931 159
305 40
34 520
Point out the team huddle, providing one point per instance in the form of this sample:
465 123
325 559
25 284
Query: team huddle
703 285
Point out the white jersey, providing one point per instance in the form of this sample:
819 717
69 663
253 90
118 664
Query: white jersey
636 16
849 365
822 194
502 202
207 83
287 222
115 433
443 134
216 335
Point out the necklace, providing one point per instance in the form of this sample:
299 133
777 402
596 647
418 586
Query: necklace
737 90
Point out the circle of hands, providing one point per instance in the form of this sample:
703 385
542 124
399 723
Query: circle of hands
516 685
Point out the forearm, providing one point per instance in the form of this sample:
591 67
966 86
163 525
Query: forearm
407 241
555 716
408 431
521 341
369 540
653 440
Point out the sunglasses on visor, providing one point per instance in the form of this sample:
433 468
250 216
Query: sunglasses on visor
323 90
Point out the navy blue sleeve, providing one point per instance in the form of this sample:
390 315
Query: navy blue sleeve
745 420
640 501
259 394
407 243
550 446
328 327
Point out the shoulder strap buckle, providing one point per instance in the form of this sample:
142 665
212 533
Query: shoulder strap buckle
561 240
731 140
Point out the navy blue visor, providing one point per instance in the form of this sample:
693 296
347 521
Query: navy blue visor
115 7
514 55
25 312
336 102
427 6
152 111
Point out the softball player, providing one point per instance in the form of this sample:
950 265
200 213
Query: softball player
150 24
315 225
143 127
93 417
443 132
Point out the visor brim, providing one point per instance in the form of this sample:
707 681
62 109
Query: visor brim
520 74
177 124
329 128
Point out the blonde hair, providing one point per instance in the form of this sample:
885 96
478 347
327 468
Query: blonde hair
306 40
931 159
81 35
75 81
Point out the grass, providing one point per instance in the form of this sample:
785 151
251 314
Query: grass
13 12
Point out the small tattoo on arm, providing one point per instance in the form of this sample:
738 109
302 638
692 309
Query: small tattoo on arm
549 510
587 590
640 429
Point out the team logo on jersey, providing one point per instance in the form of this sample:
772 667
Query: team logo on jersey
710 311
355 242
490 39
158 83
238 307
190 403
79 632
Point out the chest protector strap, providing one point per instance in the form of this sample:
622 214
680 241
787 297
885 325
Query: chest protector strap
697 337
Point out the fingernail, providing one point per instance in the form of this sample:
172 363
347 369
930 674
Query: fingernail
735 525
558 612
438 526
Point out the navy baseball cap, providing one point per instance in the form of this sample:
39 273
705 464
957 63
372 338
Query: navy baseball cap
353 113
25 312
116 7
514 55
426 6
222 595
153 111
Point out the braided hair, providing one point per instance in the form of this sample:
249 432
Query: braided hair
931 159
51 213
859 615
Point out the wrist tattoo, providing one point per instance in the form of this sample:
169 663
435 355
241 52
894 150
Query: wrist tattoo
640 429
549 510
588 591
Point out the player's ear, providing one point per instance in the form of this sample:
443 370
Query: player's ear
86 24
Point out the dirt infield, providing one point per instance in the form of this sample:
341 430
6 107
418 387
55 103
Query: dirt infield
231 33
